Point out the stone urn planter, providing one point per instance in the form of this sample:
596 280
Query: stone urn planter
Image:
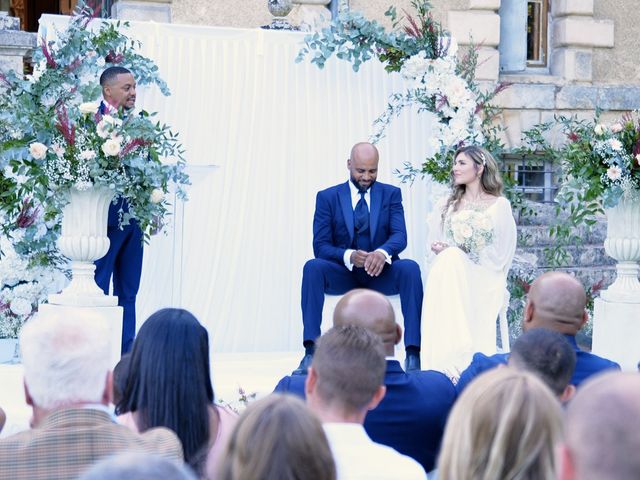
279 9
84 240
623 244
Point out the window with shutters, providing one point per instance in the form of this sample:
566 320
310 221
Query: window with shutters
524 30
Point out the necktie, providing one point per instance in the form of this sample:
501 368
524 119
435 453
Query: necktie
361 223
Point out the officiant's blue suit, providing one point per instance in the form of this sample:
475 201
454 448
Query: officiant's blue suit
123 261
412 415
333 233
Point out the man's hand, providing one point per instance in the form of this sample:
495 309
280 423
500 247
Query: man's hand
374 263
358 257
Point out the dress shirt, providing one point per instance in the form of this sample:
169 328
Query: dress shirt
355 198
357 457
110 109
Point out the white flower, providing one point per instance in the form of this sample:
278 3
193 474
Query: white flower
20 306
616 127
87 155
599 129
614 173
157 195
88 108
484 223
83 185
615 144
464 215
111 147
103 127
638 159
48 100
38 150
58 150
415 67
91 54
465 230
100 62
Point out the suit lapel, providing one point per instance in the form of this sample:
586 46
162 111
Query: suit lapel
344 197
375 197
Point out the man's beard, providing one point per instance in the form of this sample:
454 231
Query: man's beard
361 188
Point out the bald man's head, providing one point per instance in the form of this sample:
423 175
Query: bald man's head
370 310
556 301
602 429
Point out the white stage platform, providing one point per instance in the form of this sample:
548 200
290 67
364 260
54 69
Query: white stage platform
256 372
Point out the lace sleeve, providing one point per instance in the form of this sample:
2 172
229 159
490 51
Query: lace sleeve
499 255
434 229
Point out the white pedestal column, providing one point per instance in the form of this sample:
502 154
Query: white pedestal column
616 323
113 316
616 332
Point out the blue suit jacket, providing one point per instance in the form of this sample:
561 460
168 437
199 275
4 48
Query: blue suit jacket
412 415
587 364
333 228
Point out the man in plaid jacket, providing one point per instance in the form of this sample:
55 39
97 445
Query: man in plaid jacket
68 384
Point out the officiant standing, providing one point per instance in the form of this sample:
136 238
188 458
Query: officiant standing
123 261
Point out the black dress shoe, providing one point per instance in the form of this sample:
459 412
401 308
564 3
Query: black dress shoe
304 365
412 362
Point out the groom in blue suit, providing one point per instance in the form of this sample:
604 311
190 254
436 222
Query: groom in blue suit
358 232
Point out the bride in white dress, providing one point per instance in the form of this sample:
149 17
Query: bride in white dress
466 285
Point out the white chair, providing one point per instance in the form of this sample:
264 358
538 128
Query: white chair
504 324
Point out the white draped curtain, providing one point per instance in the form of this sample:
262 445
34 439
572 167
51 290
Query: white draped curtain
262 134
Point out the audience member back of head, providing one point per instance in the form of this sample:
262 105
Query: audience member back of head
549 356
68 385
132 466
602 430
505 425
277 437
169 385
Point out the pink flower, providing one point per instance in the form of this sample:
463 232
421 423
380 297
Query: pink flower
616 128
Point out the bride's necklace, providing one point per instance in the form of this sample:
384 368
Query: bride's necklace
478 201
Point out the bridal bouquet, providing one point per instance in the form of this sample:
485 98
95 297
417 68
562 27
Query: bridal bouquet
471 230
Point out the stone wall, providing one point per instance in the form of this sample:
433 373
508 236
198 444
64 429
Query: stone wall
622 63
222 13
375 9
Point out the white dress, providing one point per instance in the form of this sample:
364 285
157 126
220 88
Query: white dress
463 297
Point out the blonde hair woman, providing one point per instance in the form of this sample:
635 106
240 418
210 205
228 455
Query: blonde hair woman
466 285
278 437
505 426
